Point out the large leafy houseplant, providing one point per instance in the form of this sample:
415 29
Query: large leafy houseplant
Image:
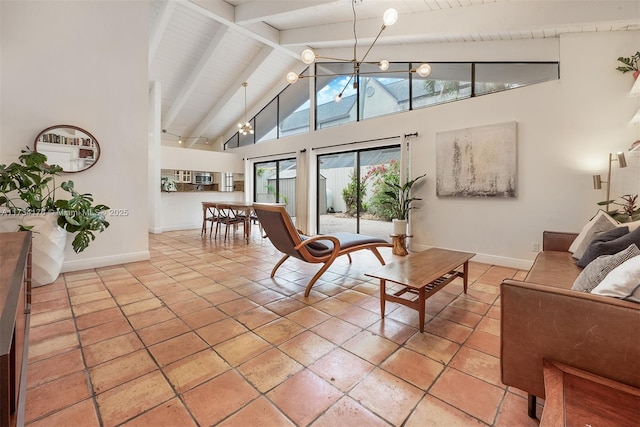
629 63
28 187
399 197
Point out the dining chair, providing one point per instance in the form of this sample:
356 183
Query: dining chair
228 217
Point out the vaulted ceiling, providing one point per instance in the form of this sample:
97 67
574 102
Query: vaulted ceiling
201 51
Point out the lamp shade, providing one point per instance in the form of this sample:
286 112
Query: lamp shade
308 56
622 161
292 77
597 182
390 17
424 70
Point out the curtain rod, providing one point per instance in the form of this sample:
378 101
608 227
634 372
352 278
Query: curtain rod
366 140
356 142
270 155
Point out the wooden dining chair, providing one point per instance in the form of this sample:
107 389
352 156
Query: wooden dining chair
228 217
209 217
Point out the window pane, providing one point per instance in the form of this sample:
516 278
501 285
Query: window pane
232 142
338 77
293 111
498 77
266 122
265 189
447 82
382 94
287 185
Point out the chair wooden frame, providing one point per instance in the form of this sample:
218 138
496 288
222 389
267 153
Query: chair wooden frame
287 239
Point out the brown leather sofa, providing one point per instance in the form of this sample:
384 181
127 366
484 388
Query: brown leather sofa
542 318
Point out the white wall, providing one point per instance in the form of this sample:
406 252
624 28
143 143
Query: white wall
565 130
182 211
83 64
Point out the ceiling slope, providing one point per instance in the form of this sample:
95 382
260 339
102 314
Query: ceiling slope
201 51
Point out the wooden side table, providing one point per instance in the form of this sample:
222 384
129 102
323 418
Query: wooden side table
399 242
578 398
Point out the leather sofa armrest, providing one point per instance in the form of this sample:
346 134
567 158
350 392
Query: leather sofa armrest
594 333
557 240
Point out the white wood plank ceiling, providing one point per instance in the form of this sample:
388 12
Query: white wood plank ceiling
202 50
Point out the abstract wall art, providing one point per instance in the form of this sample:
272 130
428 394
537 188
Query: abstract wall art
477 162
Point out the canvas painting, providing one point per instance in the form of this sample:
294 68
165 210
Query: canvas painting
477 162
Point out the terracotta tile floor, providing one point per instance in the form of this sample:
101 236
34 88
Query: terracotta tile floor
200 335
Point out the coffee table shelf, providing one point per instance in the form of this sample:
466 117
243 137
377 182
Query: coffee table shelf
421 274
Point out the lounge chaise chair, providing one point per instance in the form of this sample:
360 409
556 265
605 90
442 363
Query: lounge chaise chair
320 249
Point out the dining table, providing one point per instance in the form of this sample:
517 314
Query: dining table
243 210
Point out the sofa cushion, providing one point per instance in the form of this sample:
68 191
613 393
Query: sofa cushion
631 225
600 223
554 268
608 243
598 269
622 282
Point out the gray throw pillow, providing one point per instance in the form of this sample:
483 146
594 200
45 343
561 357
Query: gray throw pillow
608 243
601 225
598 269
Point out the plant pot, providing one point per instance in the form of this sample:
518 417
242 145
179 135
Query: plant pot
399 226
49 241
635 75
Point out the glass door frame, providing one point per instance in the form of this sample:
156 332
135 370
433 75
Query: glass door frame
357 153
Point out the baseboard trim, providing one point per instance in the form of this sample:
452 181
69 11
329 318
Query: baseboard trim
107 261
520 264
178 227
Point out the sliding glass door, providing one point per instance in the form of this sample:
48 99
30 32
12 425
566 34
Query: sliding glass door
350 190
275 182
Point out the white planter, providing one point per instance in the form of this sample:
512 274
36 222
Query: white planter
48 245
399 226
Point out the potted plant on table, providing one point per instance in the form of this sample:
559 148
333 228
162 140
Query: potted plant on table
400 202
29 194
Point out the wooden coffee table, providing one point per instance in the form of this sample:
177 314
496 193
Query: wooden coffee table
421 274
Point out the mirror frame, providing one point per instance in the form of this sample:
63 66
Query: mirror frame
93 138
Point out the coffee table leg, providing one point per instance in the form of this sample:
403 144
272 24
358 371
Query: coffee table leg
465 275
421 303
383 294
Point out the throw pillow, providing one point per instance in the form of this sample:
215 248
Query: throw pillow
632 225
607 243
600 223
622 282
598 269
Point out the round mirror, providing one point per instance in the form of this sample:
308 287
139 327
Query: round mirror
70 147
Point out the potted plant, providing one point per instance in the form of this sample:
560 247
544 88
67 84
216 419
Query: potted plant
400 203
630 212
630 64
28 192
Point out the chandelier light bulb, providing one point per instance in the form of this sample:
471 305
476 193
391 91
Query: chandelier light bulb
308 56
292 77
390 17
383 65
424 70
338 98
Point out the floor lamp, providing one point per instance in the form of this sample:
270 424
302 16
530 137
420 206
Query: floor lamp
597 180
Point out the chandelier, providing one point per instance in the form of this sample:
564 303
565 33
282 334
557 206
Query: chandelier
245 128
308 56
